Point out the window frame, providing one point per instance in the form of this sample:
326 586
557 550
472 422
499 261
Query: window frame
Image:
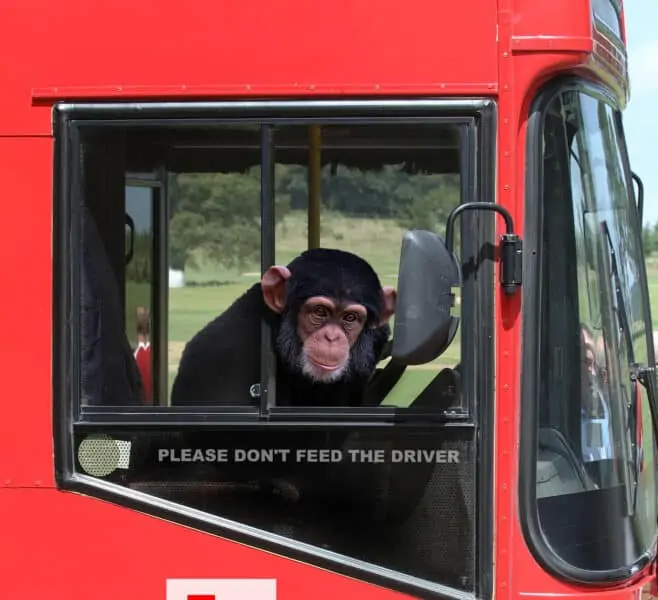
71 116
70 418
531 336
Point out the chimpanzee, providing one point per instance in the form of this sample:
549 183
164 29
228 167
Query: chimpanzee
329 316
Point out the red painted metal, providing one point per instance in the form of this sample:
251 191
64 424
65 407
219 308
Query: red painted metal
65 545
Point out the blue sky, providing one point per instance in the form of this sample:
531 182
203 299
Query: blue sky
640 117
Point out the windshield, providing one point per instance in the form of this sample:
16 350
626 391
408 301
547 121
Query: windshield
595 474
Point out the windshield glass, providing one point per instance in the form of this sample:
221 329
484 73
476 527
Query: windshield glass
595 481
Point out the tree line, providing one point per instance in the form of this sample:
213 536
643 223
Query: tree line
650 239
220 213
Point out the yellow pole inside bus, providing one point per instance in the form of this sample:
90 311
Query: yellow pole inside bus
314 188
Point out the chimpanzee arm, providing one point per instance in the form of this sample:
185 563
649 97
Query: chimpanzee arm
222 361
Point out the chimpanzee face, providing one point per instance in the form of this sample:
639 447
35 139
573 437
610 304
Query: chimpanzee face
330 327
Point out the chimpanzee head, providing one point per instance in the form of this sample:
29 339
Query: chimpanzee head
334 314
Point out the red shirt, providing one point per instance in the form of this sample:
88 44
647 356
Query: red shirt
143 359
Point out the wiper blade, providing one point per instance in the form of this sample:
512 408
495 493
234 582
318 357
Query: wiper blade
634 368
622 315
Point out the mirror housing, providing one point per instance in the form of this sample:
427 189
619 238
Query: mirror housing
424 326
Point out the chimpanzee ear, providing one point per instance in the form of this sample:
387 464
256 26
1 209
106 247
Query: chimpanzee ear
389 303
273 285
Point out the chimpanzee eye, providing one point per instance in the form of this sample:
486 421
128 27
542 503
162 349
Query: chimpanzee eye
350 317
320 311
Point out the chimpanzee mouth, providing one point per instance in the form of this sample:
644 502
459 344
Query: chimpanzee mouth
321 373
325 366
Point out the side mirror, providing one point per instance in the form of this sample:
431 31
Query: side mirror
424 327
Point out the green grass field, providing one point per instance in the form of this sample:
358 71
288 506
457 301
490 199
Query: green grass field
191 307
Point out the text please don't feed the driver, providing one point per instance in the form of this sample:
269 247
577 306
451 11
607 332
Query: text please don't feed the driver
306 455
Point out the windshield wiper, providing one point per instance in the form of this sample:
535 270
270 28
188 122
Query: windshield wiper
641 373
636 370
622 315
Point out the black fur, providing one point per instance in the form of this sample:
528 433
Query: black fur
222 361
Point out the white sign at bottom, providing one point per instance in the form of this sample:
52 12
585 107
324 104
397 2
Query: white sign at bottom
221 589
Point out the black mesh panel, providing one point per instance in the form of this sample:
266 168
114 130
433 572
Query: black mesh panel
413 517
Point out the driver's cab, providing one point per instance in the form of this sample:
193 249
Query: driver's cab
588 470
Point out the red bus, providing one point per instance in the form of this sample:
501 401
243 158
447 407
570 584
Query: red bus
157 159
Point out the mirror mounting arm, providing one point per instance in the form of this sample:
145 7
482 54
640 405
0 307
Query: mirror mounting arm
640 196
647 377
511 251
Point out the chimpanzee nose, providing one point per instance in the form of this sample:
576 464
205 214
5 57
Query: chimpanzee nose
331 335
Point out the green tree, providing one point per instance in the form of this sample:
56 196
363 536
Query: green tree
219 214
139 269
650 239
